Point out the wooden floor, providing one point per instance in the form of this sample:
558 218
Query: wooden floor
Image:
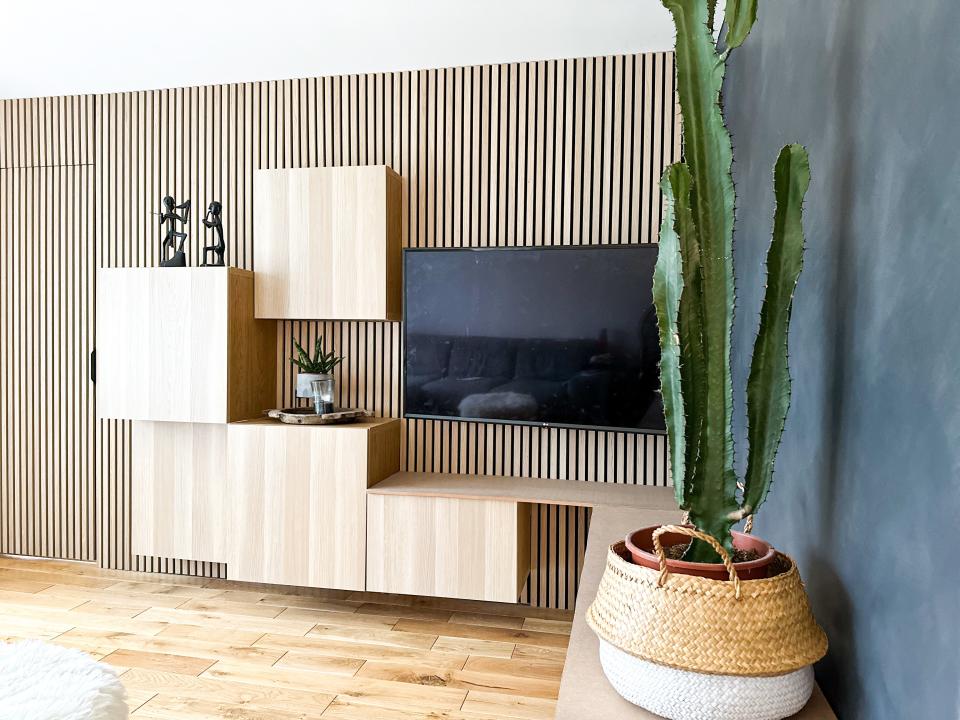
191 648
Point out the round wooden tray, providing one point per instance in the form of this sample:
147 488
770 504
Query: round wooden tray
306 416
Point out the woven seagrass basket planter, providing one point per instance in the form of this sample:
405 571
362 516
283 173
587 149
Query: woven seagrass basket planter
692 648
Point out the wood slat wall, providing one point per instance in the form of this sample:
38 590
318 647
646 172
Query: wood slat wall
537 153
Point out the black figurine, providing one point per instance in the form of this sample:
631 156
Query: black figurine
216 224
170 216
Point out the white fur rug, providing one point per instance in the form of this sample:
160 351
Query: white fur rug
40 681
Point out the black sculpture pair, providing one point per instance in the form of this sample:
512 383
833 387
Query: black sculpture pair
211 220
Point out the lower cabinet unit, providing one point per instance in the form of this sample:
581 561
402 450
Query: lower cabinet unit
178 481
297 499
450 547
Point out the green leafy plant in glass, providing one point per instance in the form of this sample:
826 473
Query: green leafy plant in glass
322 363
694 290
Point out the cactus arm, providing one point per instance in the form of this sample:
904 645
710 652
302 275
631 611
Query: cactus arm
740 15
768 386
667 287
711 13
709 156
689 326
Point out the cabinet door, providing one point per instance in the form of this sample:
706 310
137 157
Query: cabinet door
328 243
471 549
298 497
178 490
162 344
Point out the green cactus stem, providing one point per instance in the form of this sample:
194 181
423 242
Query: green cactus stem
694 290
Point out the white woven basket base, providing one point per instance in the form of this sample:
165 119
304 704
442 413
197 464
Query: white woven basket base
684 695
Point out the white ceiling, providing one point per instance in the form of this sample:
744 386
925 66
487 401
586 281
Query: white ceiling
56 47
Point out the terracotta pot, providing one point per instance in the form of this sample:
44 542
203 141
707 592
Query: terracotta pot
640 546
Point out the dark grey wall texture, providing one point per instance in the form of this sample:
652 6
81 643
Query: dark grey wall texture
867 490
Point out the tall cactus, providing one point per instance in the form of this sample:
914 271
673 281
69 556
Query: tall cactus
694 290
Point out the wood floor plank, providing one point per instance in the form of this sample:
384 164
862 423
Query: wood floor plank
436 676
541 625
226 621
161 588
346 619
24 586
474 618
82 594
404 611
382 693
68 619
169 707
346 708
115 607
313 646
423 641
209 649
234 585
228 607
22 634
457 605
36 599
482 632
235 694
510 706
51 578
179 664
473 646
534 652
211 634
320 663
310 603
520 667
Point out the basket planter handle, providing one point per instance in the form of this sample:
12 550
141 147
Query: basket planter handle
693 533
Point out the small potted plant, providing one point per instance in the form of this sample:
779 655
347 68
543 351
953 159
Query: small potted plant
320 367
696 620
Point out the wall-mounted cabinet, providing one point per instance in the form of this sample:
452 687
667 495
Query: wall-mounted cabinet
298 499
178 490
327 243
182 345
451 547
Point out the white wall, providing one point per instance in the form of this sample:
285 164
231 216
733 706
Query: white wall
54 47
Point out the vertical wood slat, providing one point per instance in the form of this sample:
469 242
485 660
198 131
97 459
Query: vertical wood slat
534 153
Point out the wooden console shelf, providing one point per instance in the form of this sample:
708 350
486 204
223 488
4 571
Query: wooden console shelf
468 536
526 490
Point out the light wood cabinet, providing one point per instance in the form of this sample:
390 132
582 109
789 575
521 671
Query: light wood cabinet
471 549
178 490
298 499
328 243
182 345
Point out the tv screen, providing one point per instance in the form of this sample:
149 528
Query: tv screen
547 336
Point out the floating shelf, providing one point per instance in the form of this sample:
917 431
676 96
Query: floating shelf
547 491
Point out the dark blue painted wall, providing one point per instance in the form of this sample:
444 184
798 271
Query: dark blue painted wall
867 491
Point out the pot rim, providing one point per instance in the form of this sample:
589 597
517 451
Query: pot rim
764 559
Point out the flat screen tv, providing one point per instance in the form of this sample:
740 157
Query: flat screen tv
545 336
